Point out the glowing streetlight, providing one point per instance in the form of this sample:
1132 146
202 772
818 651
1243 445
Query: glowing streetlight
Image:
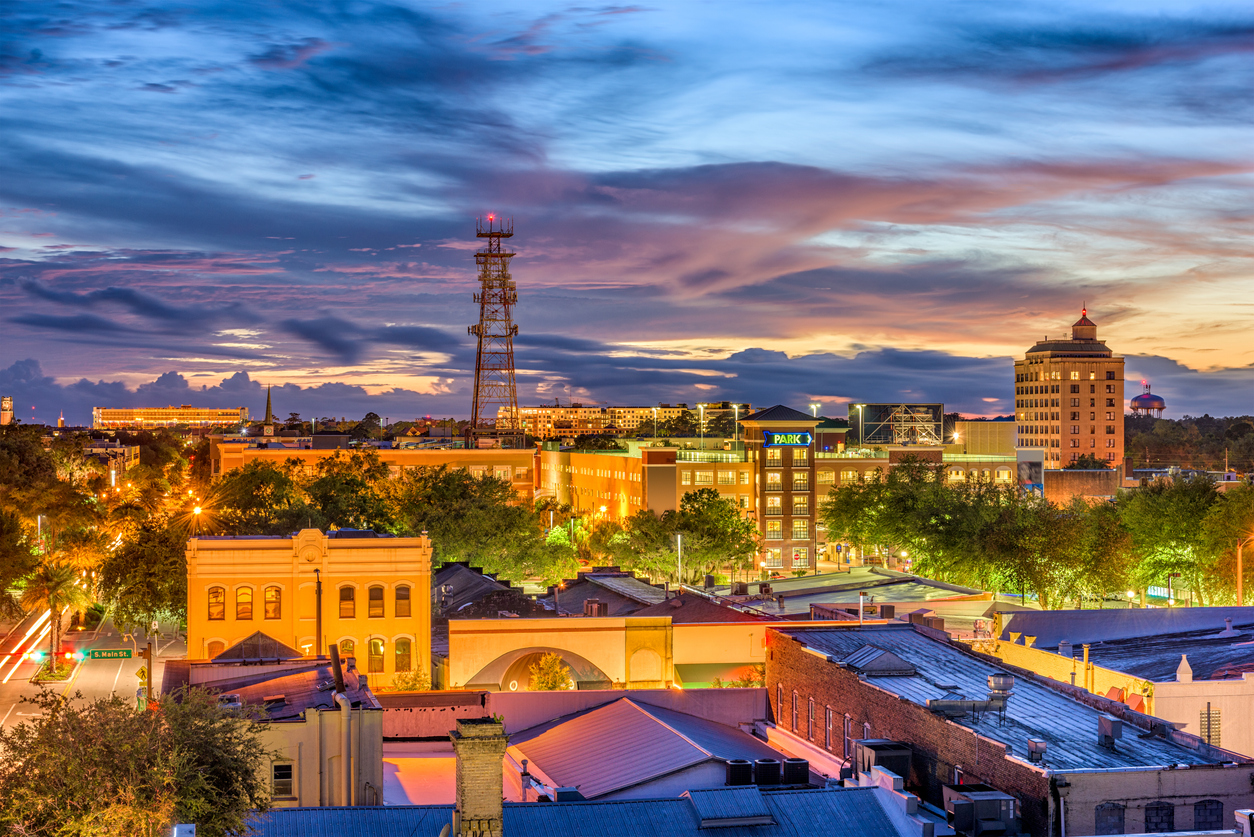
655 422
701 407
814 409
736 426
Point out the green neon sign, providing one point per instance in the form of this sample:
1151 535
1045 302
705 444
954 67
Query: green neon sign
797 439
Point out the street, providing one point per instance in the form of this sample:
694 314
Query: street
92 678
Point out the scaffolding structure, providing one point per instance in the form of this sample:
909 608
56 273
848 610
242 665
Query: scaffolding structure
899 424
914 426
494 414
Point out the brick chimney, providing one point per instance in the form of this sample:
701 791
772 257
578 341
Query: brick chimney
480 747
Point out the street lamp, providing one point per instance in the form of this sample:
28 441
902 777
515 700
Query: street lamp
655 422
1171 599
701 408
860 424
196 518
736 426
814 409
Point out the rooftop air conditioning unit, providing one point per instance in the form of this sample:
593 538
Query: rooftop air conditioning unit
1109 730
892 756
1036 749
979 809
740 588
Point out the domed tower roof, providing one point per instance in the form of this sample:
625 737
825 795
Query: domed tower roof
1147 402
1084 328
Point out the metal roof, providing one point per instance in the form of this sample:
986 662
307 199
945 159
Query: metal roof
1035 710
1051 627
1210 655
629 587
622 744
723 804
798 813
781 413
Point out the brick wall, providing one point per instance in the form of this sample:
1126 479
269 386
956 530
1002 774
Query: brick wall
938 745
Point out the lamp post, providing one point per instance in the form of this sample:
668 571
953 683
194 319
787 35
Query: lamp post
860 424
679 552
701 409
196 518
736 426
814 409
1171 599
655 422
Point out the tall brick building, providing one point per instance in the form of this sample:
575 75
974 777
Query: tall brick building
1069 397
830 687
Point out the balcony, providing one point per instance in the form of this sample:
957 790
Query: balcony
711 456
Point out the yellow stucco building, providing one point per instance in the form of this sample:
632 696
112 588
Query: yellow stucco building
376 596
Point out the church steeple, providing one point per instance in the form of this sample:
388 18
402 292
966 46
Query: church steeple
267 429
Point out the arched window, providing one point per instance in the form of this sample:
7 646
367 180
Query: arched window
243 603
348 604
215 648
347 649
274 603
1108 818
217 603
374 660
402 603
1160 817
374 609
1208 815
404 655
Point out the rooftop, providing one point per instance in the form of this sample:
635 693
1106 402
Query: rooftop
625 743
1211 656
1035 710
688 608
882 585
1050 627
466 584
866 812
780 413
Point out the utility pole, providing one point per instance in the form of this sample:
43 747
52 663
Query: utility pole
318 612
679 549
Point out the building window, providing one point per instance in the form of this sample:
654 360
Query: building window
800 556
273 603
774 456
404 655
774 530
1092 376
774 558
774 504
827 477
374 603
1075 429
1075 443
846 737
348 604
848 476
800 481
726 477
1074 387
1208 815
800 456
685 477
774 481
779 700
1108 818
1110 443
705 478
744 501
215 648
829 719
281 779
1075 415
217 603
1003 475
1160 817
374 660
1110 376
1075 376
1110 388
1110 402
402 602
866 734
810 721
795 699
800 529
244 603
800 505
744 477
1209 726
520 473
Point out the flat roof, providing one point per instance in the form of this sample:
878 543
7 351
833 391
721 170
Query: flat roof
943 670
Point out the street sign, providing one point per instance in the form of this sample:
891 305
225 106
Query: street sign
109 654
142 674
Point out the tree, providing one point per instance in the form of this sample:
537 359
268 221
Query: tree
550 674
348 491
146 577
1165 520
259 499
106 768
714 533
1087 462
17 559
1229 520
55 586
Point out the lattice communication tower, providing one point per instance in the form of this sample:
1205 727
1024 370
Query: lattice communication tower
494 414
913 426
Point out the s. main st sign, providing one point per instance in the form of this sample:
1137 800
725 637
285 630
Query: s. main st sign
790 439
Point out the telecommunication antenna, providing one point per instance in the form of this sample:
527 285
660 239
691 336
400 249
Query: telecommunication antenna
494 414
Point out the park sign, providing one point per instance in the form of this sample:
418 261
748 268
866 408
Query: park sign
786 439
109 654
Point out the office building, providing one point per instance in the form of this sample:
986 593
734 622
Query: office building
151 418
1069 398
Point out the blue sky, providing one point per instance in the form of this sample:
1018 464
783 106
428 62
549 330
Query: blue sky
771 202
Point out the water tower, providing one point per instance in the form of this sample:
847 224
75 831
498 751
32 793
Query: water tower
1148 404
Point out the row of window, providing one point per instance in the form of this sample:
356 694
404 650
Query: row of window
1160 817
726 477
800 481
272 600
775 456
1056 375
775 504
402 654
775 530
830 735
774 557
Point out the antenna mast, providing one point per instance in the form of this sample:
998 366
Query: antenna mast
494 414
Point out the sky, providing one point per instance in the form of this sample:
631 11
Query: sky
773 202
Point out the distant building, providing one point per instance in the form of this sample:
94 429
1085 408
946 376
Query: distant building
896 424
6 409
1069 398
553 421
151 418
375 601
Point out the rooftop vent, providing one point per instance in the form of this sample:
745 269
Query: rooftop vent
1109 730
1036 749
876 662
1228 629
979 809
230 701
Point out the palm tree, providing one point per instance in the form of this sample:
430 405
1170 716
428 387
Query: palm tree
55 586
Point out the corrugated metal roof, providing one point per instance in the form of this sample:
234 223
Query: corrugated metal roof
1051 627
728 803
803 813
1035 710
781 413
632 588
624 743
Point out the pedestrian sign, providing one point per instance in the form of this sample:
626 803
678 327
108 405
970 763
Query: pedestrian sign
109 654
142 674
